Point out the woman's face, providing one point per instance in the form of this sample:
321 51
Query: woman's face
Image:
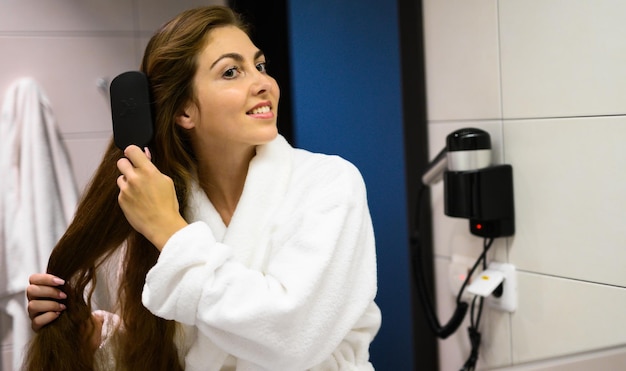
237 101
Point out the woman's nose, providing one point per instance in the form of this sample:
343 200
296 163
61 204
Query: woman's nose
262 83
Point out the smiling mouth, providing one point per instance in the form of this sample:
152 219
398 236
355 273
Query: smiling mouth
259 110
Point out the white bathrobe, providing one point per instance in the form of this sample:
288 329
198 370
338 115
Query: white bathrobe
289 284
38 197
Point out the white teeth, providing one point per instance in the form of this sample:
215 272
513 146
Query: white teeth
264 109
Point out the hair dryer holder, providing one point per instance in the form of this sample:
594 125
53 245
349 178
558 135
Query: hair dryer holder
485 197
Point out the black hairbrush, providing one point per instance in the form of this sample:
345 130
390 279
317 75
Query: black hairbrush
131 110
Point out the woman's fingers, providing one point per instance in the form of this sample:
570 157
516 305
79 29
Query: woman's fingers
138 157
45 279
38 307
147 197
43 293
35 292
135 159
40 321
43 285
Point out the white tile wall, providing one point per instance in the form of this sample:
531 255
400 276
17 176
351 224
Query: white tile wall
570 202
461 46
67 46
85 154
545 78
68 68
558 316
35 16
605 360
562 57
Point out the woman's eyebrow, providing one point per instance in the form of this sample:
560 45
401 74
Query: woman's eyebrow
237 57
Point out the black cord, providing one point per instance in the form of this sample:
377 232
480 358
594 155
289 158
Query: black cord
455 321
442 331
472 330
481 259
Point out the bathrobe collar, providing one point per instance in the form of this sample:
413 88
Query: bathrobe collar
266 184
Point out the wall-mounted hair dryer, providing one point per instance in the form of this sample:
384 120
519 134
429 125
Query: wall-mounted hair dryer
473 188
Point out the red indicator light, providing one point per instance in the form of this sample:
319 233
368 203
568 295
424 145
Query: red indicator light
479 226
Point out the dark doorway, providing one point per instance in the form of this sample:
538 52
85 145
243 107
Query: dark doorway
270 32
416 151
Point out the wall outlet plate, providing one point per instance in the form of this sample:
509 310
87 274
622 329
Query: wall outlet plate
508 300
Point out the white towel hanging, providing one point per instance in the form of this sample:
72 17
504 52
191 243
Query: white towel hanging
38 196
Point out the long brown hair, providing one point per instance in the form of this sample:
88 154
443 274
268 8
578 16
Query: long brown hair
99 227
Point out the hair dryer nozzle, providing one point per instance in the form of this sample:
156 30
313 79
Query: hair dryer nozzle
434 172
468 149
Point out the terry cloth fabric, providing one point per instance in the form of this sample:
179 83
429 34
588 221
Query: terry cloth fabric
289 284
38 197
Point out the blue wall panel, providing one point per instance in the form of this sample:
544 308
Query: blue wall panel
347 101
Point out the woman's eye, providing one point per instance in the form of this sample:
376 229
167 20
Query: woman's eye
231 73
262 67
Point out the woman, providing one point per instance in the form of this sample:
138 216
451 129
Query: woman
240 252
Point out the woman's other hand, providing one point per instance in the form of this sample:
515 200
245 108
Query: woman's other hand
147 197
43 294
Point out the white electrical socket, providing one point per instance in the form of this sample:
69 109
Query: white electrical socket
460 267
508 300
486 283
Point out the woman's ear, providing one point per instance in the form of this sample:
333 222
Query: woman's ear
185 120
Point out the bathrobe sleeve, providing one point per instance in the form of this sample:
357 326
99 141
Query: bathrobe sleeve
314 290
